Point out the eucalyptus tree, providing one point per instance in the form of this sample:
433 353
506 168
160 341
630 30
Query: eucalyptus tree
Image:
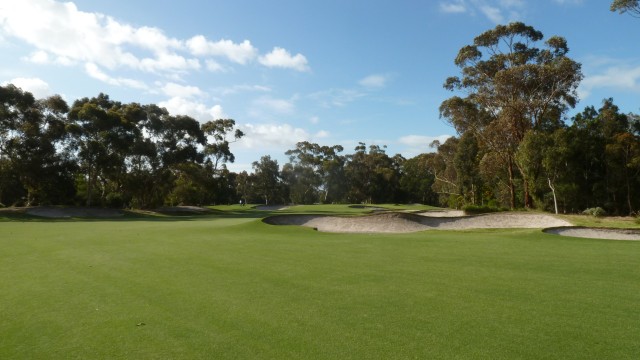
267 180
510 86
316 172
631 7
217 143
418 178
372 175
32 146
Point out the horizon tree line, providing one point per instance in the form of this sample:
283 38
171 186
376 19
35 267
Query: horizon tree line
515 147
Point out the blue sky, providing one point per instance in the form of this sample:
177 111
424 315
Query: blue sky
330 71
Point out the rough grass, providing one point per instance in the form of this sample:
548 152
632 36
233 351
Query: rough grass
230 286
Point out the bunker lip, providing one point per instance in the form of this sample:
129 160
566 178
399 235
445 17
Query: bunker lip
398 222
595 233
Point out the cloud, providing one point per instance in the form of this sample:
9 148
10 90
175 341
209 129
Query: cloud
270 136
496 11
569 2
374 81
239 53
619 76
38 87
181 91
95 72
60 33
336 97
492 13
197 110
419 144
281 58
453 7
280 106
241 89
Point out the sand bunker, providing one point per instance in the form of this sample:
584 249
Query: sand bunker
69 212
404 222
596 233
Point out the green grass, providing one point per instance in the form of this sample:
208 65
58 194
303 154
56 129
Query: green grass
230 286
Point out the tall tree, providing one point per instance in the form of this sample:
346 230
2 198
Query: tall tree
511 86
267 179
631 7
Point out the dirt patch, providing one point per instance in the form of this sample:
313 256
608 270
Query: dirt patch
70 212
597 233
403 222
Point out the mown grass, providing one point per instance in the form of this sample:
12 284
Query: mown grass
230 286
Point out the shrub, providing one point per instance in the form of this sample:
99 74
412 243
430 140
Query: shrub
596 212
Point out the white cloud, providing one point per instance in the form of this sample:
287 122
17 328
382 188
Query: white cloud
453 7
336 97
61 31
95 72
182 91
419 144
38 87
374 81
242 89
321 134
314 120
38 57
239 53
197 110
624 77
214 66
271 136
569 2
496 11
492 13
281 58
280 106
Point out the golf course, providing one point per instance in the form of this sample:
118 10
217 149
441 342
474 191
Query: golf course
228 284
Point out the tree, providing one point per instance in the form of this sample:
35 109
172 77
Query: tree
33 134
315 170
511 87
417 179
267 179
631 7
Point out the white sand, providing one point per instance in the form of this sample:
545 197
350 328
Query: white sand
403 222
597 233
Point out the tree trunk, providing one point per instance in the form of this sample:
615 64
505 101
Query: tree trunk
553 191
512 186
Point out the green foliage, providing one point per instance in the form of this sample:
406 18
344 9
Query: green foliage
595 212
481 209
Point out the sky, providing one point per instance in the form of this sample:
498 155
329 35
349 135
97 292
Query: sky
333 72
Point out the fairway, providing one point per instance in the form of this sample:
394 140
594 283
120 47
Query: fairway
228 285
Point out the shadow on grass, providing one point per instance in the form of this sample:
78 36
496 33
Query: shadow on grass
20 215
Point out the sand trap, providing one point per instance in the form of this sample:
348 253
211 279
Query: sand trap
597 233
69 212
403 222
442 213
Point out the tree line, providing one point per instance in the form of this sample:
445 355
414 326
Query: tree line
514 147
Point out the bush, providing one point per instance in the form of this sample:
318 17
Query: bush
596 212
477 209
